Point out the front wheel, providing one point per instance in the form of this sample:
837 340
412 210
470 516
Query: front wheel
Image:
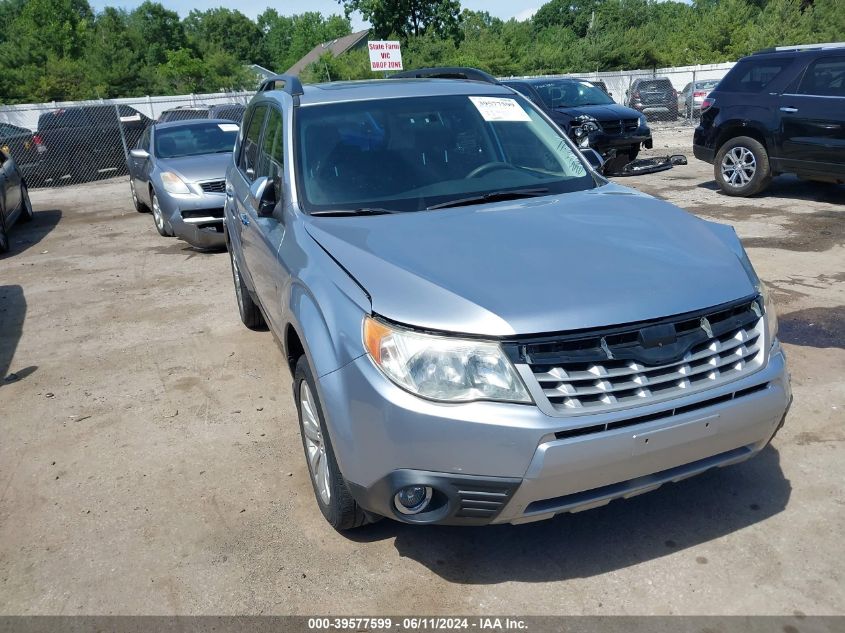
158 218
333 498
247 308
742 167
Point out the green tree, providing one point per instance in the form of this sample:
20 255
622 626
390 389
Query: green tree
225 30
407 18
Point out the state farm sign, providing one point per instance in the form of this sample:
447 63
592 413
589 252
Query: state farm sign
385 55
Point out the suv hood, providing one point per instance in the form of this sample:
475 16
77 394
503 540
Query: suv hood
607 112
563 262
198 168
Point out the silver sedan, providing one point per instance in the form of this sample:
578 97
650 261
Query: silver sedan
177 171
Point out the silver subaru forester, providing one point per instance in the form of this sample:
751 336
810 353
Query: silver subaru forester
480 327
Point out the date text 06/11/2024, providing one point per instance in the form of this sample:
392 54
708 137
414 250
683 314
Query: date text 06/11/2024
417 624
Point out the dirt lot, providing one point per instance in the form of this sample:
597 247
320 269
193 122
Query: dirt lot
150 460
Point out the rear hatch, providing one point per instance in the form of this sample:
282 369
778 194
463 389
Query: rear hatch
656 92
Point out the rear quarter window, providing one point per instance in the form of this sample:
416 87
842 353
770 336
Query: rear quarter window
753 75
62 119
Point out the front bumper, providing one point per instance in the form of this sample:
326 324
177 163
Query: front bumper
703 153
196 219
604 143
509 463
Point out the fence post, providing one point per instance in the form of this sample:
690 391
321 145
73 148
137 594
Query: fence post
122 135
692 98
150 105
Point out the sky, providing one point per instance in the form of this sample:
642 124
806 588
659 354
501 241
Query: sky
520 9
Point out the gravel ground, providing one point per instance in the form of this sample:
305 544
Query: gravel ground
150 461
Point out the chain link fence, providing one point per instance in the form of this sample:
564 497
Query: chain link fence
56 144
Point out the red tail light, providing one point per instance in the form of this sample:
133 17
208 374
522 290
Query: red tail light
36 138
636 94
699 93
708 102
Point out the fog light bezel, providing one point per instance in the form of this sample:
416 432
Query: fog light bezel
422 505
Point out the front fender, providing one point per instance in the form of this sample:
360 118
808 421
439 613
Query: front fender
326 308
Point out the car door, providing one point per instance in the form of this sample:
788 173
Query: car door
237 188
141 168
813 118
263 233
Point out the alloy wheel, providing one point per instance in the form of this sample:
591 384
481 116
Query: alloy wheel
157 215
315 447
738 166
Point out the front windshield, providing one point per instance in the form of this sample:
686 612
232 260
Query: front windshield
195 139
571 93
412 153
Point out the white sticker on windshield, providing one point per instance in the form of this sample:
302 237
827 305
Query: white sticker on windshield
499 109
228 127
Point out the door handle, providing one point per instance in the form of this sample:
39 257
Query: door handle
244 219
788 109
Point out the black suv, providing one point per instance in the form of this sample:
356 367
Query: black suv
655 97
82 142
589 116
777 111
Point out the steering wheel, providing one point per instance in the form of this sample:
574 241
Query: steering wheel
487 168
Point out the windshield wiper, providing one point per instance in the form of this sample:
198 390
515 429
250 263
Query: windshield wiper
361 211
493 196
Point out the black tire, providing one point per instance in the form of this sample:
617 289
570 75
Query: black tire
26 206
247 308
4 237
140 207
159 221
341 510
752 172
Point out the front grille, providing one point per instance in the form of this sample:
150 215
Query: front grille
647 362
214 186
620 125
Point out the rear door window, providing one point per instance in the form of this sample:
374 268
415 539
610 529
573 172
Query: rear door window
271 157
825 78
248 161
754 75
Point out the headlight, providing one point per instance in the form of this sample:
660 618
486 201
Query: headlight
173 184
769 311
443 368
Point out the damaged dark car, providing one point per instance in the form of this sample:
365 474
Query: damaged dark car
590 117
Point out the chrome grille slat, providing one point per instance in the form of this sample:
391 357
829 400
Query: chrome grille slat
684 372
728 345
574 376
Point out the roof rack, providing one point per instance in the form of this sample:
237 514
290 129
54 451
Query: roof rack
447 72
801 47
289 83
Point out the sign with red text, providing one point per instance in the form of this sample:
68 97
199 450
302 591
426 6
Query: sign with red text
385 55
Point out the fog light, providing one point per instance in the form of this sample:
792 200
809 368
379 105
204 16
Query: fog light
412 499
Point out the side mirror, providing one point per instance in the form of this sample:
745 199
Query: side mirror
594 158
262 196
139 153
